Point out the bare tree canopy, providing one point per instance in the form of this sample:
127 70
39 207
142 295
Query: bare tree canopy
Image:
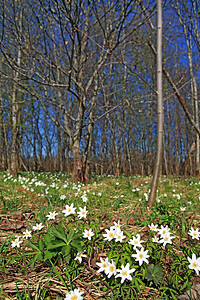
79 91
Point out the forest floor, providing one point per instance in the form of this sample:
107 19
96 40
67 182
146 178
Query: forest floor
41 262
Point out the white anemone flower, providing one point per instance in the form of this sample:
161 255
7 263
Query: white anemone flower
183 208
82 213
62 197
141 256
155 239
166 239
109 235
52 215
194 263
116 225
111 269
80 256
102 265
74 295
69 210
38 226
87 234
27 234
84 198
136 242
119 236
16 243
194 233
163 230
125 273
153 227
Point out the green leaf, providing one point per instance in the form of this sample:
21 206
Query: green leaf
32 261
61 228
70 236
39 256
41 245
67 258
77 245
56 244
30 253
59 235
66 250
33 246
48 238
49 254
154 273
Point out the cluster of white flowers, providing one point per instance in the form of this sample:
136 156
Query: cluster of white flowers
165 236
26 234
71 210
109 268
140 255
162 235
114 232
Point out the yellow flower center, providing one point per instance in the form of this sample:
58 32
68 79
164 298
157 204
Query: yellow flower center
141 255
88 234
195 264
112 268
104 265
110 234
74 298
69 209
195 233
124 273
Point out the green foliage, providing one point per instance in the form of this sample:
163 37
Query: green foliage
56 242
154 273
38 254
117 203
59 242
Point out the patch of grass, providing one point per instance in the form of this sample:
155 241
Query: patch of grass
41 261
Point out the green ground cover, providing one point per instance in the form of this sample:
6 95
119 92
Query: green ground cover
60 240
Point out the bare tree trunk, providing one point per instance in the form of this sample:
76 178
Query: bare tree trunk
3 136
194 90
165 157
159 106
13 163
103 144
77 172
89 135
